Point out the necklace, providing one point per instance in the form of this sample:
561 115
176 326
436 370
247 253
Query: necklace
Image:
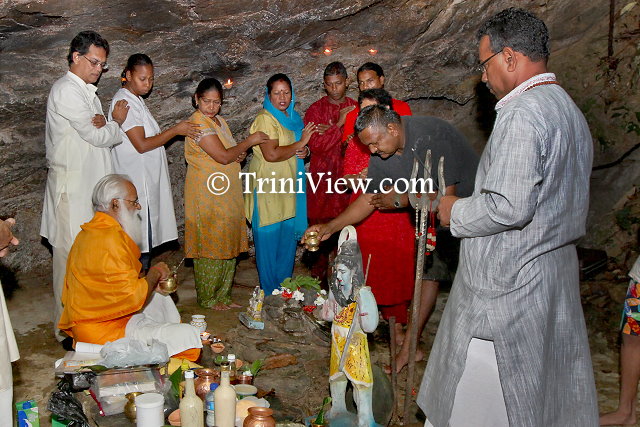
549 82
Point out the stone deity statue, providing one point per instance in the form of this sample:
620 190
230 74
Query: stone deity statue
352 308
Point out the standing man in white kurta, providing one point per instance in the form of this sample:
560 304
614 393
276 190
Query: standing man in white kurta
8 347
78 140
512 347
142 156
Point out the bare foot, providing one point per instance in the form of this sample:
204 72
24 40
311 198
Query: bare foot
234 305
221 307
618 418
399 334
402 359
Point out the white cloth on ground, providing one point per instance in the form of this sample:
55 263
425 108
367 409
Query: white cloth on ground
160 320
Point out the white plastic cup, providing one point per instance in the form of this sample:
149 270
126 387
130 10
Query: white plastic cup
149 410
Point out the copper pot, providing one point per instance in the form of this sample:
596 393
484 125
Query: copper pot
206 377
259 417
244 379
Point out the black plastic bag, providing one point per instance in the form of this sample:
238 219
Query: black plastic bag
65 405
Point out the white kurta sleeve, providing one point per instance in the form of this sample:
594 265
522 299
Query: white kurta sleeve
508 197
73 105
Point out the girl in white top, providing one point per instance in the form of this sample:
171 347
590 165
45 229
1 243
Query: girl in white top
142 156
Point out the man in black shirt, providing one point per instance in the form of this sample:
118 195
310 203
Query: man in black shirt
394 143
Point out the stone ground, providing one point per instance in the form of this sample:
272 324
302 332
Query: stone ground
299 388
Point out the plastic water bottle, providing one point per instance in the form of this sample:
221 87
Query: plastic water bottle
210 406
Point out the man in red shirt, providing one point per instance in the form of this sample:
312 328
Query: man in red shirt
371 76
324 202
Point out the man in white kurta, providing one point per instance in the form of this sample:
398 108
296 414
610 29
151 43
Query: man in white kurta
512 347
8 346
78 140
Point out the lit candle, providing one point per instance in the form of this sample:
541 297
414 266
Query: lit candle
372 51
327 51
228 84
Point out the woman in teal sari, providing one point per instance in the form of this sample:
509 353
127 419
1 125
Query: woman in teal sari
278 218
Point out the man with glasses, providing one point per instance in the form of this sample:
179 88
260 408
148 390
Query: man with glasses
104 297
78 140
512 346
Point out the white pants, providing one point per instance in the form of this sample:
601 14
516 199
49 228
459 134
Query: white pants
60 255
6 409
160 320
479 401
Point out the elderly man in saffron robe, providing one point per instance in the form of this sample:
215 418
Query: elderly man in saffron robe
512 347
327 156
104 297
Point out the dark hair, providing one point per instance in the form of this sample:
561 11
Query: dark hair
381 96
133 61
518 29
205 86
280 77
335 69
83 41
375 116
370 66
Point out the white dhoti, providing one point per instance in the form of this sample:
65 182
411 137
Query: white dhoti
479 401
160 320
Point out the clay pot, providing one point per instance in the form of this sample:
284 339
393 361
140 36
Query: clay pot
206 377
259 417
130 406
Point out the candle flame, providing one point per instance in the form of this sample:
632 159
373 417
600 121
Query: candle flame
327 51
373 51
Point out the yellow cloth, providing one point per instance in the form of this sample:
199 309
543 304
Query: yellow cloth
357 367
214 224
102 289
273 207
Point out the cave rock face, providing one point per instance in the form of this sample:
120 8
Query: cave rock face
427 49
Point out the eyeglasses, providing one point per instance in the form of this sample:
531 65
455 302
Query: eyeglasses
95 63
481 67
135 202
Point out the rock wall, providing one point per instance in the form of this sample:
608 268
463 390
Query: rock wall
427 49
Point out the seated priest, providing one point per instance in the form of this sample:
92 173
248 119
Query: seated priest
104 296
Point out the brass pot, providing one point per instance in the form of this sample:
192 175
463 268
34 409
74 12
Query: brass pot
206 377
130 406
259 417
312 241
169 285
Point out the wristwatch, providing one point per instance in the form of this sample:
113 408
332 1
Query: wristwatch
396 202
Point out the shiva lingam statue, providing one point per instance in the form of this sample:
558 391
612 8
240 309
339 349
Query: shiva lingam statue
170 284
353 310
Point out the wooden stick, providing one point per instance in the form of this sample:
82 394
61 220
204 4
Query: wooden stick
394 375
415 308
366 273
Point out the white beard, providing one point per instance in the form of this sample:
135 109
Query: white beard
131 223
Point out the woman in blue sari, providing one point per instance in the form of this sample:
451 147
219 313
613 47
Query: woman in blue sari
277 207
